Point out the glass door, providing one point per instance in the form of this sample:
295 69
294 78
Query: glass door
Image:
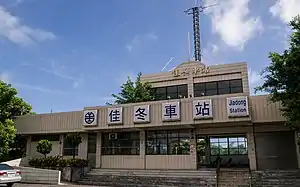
202 147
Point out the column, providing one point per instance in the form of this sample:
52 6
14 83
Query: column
190 86
297 135
98 150
28 146
143 146
193 148
82 148
251 150
207 150
61 143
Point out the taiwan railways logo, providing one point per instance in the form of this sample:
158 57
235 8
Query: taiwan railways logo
89 117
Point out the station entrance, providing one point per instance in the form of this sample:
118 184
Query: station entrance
230 151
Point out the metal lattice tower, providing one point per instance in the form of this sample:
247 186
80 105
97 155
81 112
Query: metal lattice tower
195 11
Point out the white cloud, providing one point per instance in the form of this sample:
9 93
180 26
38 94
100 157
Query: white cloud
254 79
57 71
16 3
5 77
139 40
285 10
232 22
12 29
40 89
215 48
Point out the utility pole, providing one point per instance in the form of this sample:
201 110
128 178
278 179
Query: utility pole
195 11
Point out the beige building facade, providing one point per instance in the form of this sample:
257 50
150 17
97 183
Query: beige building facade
200 113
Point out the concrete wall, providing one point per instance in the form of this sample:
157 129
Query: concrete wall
216 73
50 123
122 161
42 176
56 149
276 150
260 112
170 162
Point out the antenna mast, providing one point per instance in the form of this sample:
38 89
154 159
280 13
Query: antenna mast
195 11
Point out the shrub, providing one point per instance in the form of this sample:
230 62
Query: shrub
57 162
50 162
77 162
35 162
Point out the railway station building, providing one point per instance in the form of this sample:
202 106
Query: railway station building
200 113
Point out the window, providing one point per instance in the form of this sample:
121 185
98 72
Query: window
170 92
5 167
228 146
160 93
125 143
168 142
92 142
218 88
69 150
211 88
36 138
236 86
223 87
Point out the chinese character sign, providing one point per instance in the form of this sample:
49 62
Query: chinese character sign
171 111
202 109
115 115
90 117
141 114
237 106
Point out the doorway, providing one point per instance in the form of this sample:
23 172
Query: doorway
230 150
202 147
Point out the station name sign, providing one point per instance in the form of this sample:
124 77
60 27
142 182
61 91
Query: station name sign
190 71
237 106
170 111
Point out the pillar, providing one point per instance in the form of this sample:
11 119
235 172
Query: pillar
98 150
82 148
207 150
193 147
28 146
61 143
190 86
251 150
143 146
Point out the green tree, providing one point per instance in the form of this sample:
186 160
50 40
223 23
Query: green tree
201 144
10 107
134 92
44 147
282 78
73 140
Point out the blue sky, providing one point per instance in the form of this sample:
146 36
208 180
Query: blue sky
65 55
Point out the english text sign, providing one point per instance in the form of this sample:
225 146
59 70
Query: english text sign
237 106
